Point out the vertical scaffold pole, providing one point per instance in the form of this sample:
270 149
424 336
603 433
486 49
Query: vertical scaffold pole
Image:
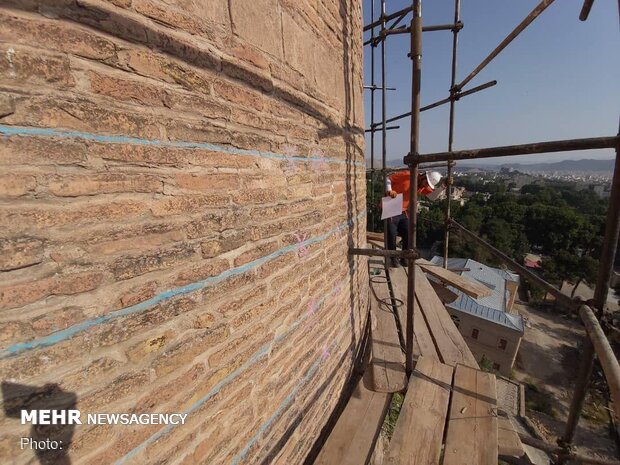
453 90
383 125
416 59
373 88
608 254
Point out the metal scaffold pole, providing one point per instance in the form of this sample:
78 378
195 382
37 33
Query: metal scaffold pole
608 255
416 59
453 94
383 117
373 88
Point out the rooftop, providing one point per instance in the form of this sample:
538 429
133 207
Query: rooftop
493 307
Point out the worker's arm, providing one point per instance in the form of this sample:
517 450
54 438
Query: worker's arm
388 188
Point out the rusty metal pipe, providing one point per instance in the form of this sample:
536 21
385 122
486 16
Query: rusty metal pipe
438 103
525 149
455 43
457 26
443 164
383 116
389 128
385 17
559 295
373 88
585 9
552 449
605 354
416 73
608 254
407 253
526 22
405 30
473 90
421 167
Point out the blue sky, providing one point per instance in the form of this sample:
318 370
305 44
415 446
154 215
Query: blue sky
558 80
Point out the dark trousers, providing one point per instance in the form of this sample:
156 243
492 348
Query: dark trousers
398 226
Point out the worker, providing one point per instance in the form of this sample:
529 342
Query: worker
398 183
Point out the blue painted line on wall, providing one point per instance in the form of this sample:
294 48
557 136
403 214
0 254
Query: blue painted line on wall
67 134
284 405
260 353
68 333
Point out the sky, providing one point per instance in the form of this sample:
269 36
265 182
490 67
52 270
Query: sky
559 79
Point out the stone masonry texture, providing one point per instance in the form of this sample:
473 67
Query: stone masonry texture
180 181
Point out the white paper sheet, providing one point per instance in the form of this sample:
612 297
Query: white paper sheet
391 206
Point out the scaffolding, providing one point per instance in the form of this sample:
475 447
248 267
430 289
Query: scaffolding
595 342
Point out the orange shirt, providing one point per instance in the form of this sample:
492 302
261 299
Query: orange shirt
400 184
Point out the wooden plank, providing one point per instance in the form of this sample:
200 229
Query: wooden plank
445 295
469 287
387 361
376 244
508 441
422 341
418 434
375 236
353 438
472 423
451 346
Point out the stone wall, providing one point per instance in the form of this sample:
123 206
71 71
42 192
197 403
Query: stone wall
180 181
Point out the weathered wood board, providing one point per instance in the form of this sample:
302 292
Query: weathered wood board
387 361
449 342
472 436
468 286
419 430
353 438
422 342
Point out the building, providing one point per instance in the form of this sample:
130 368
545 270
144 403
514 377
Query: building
458 195
532 261
490 326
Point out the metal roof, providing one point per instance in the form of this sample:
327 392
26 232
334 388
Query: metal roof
493 307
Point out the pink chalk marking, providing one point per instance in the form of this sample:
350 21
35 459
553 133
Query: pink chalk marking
291 161
320 162
312 307
291 165
325 353
338 288
302 249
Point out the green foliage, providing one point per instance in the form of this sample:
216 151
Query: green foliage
486 364
475 184
394 411
555 219
538 400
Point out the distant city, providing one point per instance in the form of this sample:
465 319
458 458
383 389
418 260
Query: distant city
590 174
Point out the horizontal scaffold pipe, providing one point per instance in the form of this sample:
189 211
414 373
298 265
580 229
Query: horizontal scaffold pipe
524 149
407 253
534 278
454 96
389 17
552 449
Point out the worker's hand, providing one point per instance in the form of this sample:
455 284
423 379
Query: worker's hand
392 193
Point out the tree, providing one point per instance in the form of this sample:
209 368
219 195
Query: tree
587 271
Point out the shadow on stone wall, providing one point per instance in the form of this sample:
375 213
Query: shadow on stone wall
18 397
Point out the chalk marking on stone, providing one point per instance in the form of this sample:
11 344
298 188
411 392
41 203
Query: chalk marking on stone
68 333
70 134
